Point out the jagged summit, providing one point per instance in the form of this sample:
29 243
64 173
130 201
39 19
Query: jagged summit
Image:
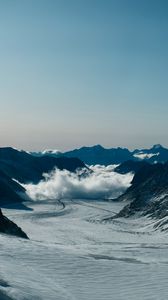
98 147
97 154
157 146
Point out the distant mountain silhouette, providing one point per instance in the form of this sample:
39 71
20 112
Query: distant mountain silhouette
155 154
100 155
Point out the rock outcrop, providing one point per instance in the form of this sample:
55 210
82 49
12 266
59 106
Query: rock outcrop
9 227
10 190
148 194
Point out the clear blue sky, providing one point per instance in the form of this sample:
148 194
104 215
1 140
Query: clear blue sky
76 72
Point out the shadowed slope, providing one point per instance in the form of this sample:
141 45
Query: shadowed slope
27 168
148 193
9 227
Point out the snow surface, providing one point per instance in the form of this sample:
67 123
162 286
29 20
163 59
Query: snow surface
52 152
73 254
142 155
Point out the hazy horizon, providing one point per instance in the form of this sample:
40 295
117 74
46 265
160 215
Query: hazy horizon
80 146
77 73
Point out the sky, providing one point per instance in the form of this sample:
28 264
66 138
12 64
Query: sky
76 73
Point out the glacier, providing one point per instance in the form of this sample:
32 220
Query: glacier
73 254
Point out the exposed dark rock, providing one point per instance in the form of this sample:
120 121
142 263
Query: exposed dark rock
9 227
148 193
10 190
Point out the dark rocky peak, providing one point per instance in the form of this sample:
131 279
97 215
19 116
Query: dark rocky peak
98 147
9 227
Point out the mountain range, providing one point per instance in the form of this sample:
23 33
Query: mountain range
99 155
147 195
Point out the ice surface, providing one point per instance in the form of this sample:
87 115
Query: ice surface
72 254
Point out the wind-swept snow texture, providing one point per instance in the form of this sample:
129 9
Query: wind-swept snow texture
72 254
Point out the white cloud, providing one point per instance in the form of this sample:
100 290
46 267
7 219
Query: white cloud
102 183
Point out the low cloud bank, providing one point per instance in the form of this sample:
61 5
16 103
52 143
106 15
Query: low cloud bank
103 183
